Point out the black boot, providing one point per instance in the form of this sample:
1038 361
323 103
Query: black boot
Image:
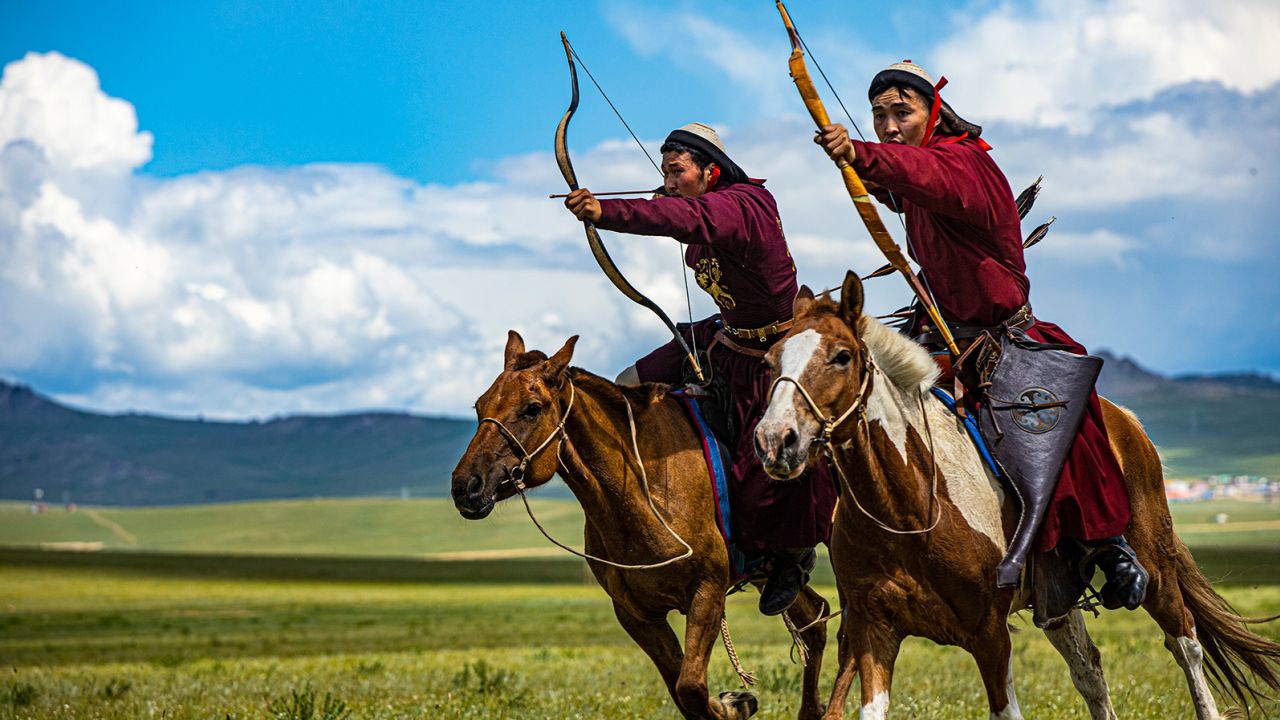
1126 584
788 576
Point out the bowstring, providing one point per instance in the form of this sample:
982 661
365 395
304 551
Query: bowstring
897 209
688 298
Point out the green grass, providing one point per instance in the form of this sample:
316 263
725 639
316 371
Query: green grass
93 643
416 528
359 527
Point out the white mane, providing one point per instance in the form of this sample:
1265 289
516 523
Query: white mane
900 358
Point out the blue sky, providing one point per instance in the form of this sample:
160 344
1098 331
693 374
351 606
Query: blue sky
241 209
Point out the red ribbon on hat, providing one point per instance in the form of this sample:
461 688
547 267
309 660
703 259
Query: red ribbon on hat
933 120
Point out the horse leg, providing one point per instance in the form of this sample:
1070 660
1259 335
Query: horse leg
659 642
702 629
810 606
874 649
1070 638
995 663
1164 604
847 670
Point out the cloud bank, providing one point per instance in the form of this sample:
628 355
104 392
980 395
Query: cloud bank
329 287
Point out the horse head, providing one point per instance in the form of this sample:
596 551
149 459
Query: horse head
821 370
521 428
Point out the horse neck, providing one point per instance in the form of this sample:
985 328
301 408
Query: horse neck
887 462
599 464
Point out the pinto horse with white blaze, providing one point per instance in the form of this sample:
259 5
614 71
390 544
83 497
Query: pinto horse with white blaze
922 523
634 461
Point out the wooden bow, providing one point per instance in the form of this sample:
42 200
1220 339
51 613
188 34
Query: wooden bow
593 237
857 191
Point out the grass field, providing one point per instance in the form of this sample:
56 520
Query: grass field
156 634
427 528
95 643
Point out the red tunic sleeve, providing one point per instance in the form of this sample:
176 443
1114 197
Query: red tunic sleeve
718 219
948 179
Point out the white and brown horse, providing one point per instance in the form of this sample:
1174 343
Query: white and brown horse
921 523
633 460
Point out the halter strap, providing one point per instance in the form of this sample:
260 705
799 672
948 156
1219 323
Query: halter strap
516 476
829 424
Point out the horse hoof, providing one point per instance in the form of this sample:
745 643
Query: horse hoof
739 705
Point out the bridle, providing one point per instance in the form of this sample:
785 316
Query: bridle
822 441
516 476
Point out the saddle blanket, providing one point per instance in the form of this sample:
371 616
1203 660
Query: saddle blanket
714 452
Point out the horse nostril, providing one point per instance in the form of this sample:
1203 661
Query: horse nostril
791 439
474 485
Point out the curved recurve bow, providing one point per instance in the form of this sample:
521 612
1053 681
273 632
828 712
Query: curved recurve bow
857 191
593 237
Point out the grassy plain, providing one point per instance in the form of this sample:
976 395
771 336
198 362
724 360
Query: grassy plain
428 528
154 633
120 643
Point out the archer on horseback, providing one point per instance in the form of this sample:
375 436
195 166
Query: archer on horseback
963 230
737 249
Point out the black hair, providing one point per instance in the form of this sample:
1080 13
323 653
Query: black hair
701 159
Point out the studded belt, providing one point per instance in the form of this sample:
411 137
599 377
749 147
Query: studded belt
761 333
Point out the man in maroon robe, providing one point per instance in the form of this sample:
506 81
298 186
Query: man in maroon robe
734 242
963 229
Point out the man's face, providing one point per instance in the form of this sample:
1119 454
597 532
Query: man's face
900 117
681 176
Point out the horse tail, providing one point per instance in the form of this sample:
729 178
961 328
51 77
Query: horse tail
1225 636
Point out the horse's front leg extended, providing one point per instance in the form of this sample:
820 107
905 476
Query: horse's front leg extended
659 642
808 608
995 663
875 650
702 629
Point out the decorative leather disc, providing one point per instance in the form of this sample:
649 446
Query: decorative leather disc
1037 421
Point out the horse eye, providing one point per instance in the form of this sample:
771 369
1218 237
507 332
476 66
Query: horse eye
842 358
532 410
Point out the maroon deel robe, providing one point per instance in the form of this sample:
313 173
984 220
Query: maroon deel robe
965 233
739 255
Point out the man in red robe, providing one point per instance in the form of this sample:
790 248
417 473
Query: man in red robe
963 229
733 238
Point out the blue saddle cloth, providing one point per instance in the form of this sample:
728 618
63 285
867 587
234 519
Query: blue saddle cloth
715 452
971 426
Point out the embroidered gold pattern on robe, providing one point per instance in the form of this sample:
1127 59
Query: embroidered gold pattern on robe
707 272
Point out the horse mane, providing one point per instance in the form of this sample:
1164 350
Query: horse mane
608 392
904 361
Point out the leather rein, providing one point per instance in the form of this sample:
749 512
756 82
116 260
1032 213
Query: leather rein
822 441
516 475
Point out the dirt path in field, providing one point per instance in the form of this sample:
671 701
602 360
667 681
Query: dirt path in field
1228 526
125 536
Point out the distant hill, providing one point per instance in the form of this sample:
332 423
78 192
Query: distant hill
1203 424
134 459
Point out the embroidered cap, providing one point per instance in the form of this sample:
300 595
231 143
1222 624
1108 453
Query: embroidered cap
704 138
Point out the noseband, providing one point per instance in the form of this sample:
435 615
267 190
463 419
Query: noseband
516 475
822 440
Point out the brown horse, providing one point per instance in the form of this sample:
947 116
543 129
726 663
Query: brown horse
633 460
922 524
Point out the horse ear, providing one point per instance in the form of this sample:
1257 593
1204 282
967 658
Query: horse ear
557 363
515 348
803 300
851 299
